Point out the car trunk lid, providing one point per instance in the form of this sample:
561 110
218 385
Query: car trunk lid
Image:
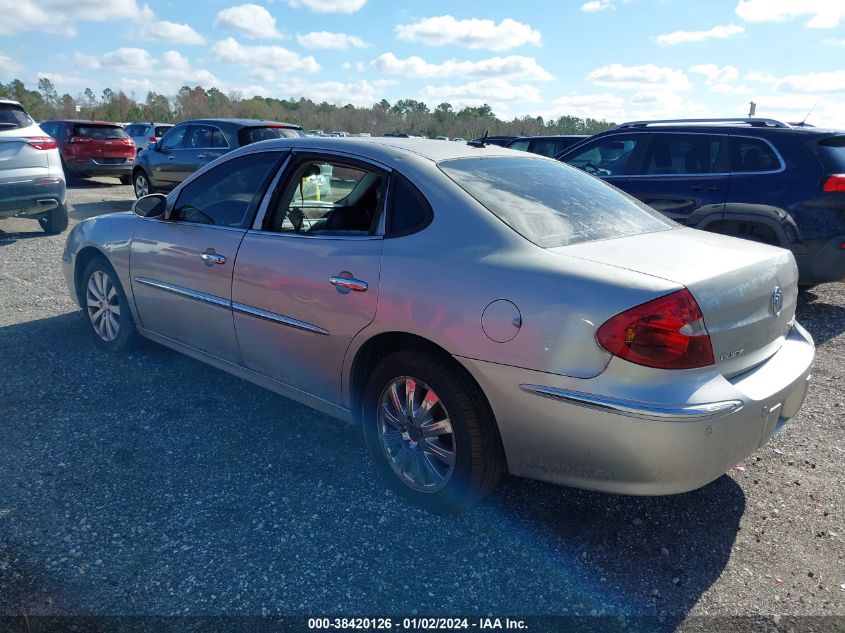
747 291
18 159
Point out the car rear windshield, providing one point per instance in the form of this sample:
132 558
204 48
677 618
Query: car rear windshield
100 132
13 116
161 129
139 129
549 203
249 135
832 153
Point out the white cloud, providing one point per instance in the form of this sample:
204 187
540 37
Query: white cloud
251 20
329 6
170 32
645 77
479 92
822 13
606 105
8 66
716 33
474 33
62 81
327 40
262 58
358 93
127 60
760 77
97 10
510 67
596 5
812 83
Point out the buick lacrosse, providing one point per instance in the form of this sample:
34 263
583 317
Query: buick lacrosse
476 310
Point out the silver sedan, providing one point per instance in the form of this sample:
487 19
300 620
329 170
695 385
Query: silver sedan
477 310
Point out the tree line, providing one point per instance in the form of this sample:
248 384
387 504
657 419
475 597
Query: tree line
405 115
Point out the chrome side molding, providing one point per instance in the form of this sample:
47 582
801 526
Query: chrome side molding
237 307
636 409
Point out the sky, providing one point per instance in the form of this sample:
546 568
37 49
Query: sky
607 59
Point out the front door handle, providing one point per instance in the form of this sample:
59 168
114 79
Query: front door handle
705 188
202 156
343 283
210 258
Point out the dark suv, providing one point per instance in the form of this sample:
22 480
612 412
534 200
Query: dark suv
193 144
757 179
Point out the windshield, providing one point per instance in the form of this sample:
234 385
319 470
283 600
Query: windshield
100 132
136 130
249 135
549 203
13 116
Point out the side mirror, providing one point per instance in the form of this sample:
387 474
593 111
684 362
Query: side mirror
150 206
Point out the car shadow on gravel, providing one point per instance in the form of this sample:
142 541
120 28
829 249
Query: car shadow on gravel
85 183
148 482
823 320
7 237
84 210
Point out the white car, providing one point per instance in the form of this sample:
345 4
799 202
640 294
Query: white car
32 182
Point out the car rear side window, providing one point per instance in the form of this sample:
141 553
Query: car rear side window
684 154
100 132
548 203
248 135
161 130
13 117
228 193
832 153
607 156
750 155
409 210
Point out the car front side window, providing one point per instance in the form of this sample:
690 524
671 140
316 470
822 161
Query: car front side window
607 156
227 194
326 197
173 139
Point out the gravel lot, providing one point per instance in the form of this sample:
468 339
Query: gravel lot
150 483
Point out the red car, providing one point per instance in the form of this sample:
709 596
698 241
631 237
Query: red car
93 148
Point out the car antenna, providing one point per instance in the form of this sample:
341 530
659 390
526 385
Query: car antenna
804 120
479 142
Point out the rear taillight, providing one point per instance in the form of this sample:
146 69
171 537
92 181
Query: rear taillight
153 139
835 183
667 333
42 142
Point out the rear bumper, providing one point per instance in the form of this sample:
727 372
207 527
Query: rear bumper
32 196
94 168
823 265
678 435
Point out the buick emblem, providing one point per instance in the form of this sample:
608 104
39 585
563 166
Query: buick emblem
776 302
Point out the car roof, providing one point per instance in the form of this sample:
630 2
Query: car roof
387 148
83 121
737 127
549 137
9 101
241 122
150 123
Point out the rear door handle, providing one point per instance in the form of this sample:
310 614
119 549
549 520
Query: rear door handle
202 156
210 257
355 285
705 188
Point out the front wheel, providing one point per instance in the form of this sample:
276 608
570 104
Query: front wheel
54 221
141 183
431 432
106 307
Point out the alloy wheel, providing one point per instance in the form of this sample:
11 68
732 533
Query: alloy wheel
416 434
103 305
142 187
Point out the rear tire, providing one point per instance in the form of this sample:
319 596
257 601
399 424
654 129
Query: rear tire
54 221
450 417
106 309
141 184
126 179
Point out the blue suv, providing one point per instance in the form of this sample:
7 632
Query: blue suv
757 179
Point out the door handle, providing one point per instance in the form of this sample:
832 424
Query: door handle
210 257
170 157
705 188
202 156
349 284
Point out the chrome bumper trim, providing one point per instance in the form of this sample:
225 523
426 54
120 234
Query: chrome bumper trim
635 409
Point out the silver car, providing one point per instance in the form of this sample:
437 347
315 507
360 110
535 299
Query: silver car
32 182
477 310
146 133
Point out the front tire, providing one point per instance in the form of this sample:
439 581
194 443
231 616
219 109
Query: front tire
54 221
106 308
430 432
142 185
